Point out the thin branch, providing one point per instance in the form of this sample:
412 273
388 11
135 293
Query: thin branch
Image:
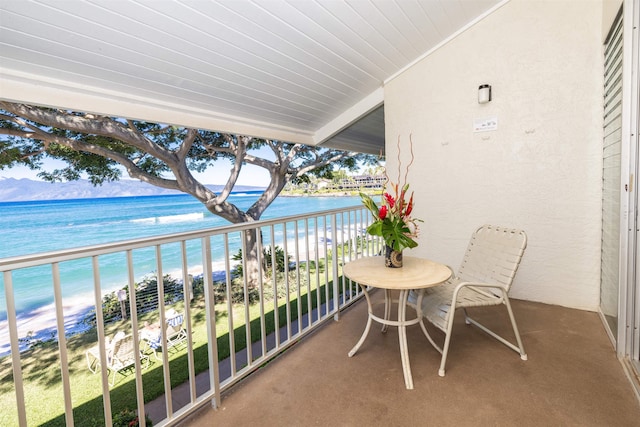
19 133
241 149
320 163
26 125
412 158
399 161
293 152
186 145
259 161
277 150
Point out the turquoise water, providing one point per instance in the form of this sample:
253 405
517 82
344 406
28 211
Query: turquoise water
42 226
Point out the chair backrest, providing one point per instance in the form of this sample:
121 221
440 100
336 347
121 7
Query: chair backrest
174 325
493 255
123 350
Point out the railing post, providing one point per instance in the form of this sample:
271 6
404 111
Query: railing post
97 294
212 336
62 345
334 262
187 291
15 348
133 308
163 333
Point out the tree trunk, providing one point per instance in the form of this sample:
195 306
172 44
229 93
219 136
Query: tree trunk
252 265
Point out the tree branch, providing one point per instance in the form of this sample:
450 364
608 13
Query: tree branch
320 162
259 161
89 125
186 145
240 150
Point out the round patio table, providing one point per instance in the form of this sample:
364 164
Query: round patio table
415 274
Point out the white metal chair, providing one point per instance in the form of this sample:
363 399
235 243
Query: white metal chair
174 327
484 279
175 330
120 355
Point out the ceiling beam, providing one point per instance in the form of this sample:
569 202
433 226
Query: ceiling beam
46 92
350 116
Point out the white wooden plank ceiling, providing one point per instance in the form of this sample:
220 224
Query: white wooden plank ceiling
299 70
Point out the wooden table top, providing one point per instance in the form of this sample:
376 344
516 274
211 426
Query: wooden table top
414 274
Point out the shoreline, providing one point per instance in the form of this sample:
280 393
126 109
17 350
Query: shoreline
334 194
41 324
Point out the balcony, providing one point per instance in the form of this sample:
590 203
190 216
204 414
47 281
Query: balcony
572 377
302 373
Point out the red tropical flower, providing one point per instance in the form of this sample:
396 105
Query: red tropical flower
390 200
383 212
409 207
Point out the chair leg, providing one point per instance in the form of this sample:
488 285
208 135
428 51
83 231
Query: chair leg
144 360
523 355
467 319
90 362
420 315
447 340
519 348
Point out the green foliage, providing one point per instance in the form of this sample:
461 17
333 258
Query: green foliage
395 233
267 261
146 299
129 418
313 266
237 291
237 273
280 261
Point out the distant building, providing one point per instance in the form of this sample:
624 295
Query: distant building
322 184
362 181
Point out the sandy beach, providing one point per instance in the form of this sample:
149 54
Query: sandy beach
40 324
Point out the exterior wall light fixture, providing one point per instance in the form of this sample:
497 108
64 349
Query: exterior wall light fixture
484 94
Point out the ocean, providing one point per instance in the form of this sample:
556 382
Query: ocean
43 226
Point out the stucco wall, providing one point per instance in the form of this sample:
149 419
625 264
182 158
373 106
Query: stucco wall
539 171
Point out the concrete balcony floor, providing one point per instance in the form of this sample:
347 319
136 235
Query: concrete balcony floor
572 377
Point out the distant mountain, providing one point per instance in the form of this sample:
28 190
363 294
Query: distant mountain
14 190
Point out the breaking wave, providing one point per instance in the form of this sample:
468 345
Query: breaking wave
170 218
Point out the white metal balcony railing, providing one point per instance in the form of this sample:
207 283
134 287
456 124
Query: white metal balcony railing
314 248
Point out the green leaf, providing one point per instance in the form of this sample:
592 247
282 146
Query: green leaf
368 203
375 229
395 234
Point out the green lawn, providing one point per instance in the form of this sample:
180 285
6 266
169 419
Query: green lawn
41 373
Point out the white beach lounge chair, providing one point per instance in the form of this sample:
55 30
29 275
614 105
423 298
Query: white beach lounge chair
484 279
175 331
120 355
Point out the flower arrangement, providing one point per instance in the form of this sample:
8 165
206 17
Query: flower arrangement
392 219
